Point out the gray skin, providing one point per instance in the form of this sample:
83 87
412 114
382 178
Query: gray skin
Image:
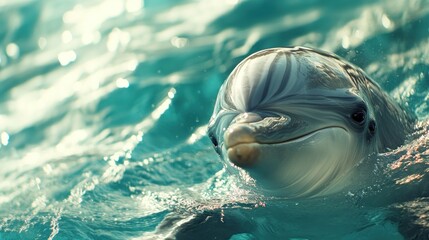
299 121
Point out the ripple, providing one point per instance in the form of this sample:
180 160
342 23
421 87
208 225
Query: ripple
104 105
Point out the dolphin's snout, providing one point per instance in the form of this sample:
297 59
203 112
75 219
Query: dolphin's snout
243 137
241 145
238 134
244 155
241 129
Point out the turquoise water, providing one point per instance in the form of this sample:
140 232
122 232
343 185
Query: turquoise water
104 105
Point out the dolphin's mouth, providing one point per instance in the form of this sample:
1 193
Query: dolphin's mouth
252 140
303 136
245 153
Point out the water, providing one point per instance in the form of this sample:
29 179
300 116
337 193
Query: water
104 104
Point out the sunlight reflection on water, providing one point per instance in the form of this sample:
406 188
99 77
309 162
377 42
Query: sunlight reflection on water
104 104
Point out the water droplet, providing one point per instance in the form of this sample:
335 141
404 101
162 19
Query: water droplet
387 23
171 93
12 50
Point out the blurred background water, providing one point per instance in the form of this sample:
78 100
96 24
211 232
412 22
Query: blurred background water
104 104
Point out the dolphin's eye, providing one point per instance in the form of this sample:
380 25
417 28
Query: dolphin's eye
359 116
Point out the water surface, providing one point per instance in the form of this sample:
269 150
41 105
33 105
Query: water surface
104 104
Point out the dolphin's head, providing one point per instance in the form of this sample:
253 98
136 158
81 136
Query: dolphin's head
294 120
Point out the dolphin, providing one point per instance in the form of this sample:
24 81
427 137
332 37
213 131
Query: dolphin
299 121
